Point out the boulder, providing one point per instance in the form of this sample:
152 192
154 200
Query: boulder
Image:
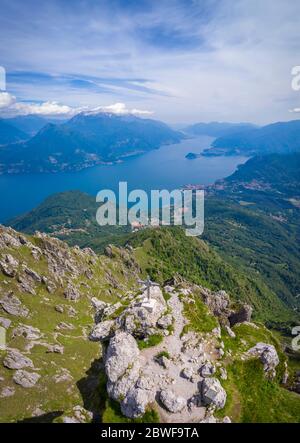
71 293
207 370
98 304
79 415
12 305
9 237
34 275
26 284
217 302
7 392
213 393
243 315
188 373
102 331
223 374
171 401
5 322
267 355
121 353
9 265
25 379
229 331
169 289
59 308
14 359
119 389
56 349
63 376
28 332
108 251
163 361
136 401
50 286
165 321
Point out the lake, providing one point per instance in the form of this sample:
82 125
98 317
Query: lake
164 168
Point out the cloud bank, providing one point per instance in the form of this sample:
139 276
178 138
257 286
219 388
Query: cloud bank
10 106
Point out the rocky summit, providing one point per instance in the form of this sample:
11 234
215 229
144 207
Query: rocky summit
87 340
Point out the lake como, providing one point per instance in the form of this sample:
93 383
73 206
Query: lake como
164 168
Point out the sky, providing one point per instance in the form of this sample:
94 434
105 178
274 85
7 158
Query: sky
180 61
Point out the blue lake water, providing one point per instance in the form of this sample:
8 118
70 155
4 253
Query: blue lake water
165 168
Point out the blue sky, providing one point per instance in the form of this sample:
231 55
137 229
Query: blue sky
182 60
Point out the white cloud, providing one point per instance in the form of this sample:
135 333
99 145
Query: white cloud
10 106
6 100
119 109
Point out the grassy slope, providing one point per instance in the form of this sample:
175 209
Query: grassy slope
167 251
254 242
80 355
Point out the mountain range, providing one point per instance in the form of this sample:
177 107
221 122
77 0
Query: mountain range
85 140
217 129
281 137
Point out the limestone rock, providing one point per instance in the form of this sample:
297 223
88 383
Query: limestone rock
226 420
34 275
213 393
28 332
217 332
207 370
63 376
9 265
136 401
50 286
217 302
64 325
141 317
164 362
5 322
9 237
119 389
121 353
230 332
102 330
171 401
79 415
14 359
98 304
223 374
26 284
56 349
188 373
26 379
209 419
71 293
7 392
59 308
243 315
12 305
268 356
165 321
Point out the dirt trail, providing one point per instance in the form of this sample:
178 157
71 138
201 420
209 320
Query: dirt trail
184 352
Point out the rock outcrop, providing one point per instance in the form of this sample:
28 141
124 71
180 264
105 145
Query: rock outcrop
16 360
267 355
213 394
171 401
243 315
26 379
